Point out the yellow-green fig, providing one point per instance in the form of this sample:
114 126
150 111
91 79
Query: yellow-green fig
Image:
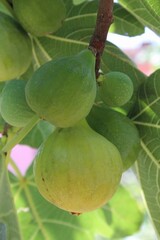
40 17
63 91
77 170
15 49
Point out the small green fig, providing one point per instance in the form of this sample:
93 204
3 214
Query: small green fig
118 129
40 17
116 89
13 106
63 91
15 49
77 169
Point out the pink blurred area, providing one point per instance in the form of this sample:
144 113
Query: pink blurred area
23 156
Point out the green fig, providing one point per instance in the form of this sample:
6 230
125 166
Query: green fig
116 89
63 91
13 106
15 49
118 129
77 170
40 17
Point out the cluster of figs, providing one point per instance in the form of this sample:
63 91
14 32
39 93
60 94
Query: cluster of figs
79 166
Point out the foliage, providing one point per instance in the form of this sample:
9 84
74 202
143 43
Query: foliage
32 217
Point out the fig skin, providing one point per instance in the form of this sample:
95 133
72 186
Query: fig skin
116 89
13 106
15 49
40 17
63 91
77 170
118 129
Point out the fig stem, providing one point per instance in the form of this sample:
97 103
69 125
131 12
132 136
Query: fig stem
20 135
98 39
5 129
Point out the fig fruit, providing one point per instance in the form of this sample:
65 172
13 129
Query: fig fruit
63 91
77 169
40 17
118 129
116 89
13 106
15 49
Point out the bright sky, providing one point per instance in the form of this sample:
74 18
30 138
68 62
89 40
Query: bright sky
133 42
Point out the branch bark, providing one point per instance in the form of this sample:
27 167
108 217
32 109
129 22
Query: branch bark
103 22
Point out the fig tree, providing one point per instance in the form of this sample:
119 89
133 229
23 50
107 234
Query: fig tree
118 129
77 169
40 17
13 106
63 91
15 49
116 89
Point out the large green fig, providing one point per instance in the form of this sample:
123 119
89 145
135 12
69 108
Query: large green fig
13 106
63 91
40 17
15 49
116 89
118 129
77 169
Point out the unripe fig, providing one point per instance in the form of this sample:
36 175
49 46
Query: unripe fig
118 129
116 89
77 169
40 17
13 106
63 91
15 49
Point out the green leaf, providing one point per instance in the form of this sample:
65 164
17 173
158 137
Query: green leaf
148 105
2 124
126 217
6 8
9 228
77 2
38 134
20 134
41 220
28 74
147 12
77 30
150 92
147 119
149 174
125 23
152 6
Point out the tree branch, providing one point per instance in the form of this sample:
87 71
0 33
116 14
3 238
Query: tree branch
103 22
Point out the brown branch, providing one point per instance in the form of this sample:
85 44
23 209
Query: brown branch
5 129
103 22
